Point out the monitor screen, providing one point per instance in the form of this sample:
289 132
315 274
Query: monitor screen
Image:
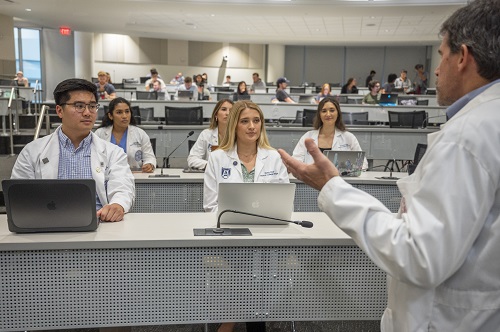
185 94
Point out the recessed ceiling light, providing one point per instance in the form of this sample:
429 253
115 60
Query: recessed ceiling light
212 15
28 9
370 24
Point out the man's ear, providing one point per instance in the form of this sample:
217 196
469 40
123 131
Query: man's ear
59 111
465 57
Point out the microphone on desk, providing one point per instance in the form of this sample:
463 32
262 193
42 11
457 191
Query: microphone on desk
390 177
166 160
218 231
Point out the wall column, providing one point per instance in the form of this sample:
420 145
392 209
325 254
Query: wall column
7 48
275 62
84 55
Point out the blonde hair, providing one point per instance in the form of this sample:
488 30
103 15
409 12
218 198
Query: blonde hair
229 141
213 120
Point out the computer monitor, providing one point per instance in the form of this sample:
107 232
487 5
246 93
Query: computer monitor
306 99
243 97
144 79
308 117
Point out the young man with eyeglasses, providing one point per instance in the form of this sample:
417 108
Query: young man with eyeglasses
74 152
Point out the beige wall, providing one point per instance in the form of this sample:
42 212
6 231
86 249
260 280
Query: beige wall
132 57
7 53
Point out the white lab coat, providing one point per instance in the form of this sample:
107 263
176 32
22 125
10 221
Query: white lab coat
225 166
198 156
343 141
40 160
442 251
139 149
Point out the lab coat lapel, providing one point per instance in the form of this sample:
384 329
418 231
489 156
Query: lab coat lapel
262 155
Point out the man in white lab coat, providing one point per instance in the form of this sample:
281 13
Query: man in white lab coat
441 251
74 152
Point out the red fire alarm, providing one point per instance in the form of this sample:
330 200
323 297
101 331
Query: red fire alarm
65 31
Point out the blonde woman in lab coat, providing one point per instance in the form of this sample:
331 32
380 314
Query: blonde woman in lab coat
244 155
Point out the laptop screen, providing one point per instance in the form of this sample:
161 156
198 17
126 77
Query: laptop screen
349 163
389 99
268 199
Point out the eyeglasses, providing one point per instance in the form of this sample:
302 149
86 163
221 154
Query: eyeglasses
80 107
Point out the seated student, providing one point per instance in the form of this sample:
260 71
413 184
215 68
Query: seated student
350 87
209 138
281 94
105 89
74 152
244 155
329 133
20 80
119 127
157 88
203 92
154 77
326 91
241 91
373 97
188 86
178 79
389 85
403 82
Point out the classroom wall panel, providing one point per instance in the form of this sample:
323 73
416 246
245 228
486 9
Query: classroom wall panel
205 54
177 52
150 50
324 64
256 56
238 55
398 58
359 61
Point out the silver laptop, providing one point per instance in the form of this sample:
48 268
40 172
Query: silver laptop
349 163
50 205
268 199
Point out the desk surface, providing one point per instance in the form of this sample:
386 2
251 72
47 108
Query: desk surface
181 177
175 230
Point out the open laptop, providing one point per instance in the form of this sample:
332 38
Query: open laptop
388 99
267 199
38 205
185 95
349 163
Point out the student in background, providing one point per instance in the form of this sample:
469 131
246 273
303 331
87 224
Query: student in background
188 86
326 91
281 94
440 251
20 80
74 152
119 127
389 85
350 87
157 88
420 81
209 139
373 97
178 79
154 77
257 83
403 82
244 155
329 132
106 90
370 77
228 81
241 91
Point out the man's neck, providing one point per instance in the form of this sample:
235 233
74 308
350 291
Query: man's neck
75 139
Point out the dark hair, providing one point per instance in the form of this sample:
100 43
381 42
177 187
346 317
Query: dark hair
153 71
349 81
477 26
404 71
391 78
418 66
317 119
373 72
188 79
63 89
106 121
238 89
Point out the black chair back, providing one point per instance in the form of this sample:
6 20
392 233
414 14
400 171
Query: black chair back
415 119
190 144
308 117
183 115
146 95
147 114
355 118
419 153
297 90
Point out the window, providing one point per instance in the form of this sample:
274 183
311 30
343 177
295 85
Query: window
27 44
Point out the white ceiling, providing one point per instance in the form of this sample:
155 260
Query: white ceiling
295 22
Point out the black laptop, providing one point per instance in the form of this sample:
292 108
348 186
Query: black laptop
38 205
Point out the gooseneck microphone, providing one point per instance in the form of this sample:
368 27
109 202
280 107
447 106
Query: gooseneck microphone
166 160
303 223
168 157
390 177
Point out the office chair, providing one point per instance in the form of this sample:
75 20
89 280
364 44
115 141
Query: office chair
297 90
147 114
422 102
136 113
153 144
355 118
308 117
419 153
190 144
184 115
413 119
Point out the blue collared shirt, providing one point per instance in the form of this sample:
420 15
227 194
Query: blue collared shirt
459 104
75 163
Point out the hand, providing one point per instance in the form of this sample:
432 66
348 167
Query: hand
148 168
111 212
315 175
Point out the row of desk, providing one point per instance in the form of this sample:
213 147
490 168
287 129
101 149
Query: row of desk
149 269
183 192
